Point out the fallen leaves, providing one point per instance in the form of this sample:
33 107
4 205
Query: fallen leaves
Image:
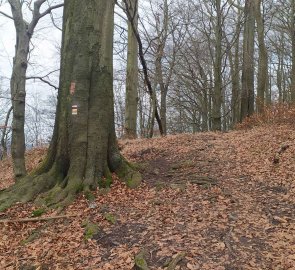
246 220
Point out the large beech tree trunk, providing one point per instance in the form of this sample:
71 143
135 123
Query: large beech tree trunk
84 147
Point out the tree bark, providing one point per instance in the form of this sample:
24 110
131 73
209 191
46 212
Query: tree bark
292 16
3 152
84 149
234 61
131 98
18 89
262 80
217 96
247 98
163 33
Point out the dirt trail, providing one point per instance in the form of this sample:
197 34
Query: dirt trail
242 216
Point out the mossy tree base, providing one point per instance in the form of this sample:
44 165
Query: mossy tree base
48 190
84 148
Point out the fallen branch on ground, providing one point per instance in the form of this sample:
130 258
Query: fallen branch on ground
35 219
173 263
276 158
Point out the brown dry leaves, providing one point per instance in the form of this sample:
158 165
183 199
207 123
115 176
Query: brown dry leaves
247 221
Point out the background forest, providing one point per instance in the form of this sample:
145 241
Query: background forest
210 65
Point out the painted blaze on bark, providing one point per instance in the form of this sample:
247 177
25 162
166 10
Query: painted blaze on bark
84 147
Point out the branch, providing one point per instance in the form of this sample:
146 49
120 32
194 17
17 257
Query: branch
54 24
237 6
50 9
34 219
17 15
43 80
172 265
6 15
119 15
119 5
37 15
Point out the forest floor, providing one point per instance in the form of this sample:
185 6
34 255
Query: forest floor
223 201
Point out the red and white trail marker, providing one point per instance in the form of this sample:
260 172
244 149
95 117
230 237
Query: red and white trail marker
74 109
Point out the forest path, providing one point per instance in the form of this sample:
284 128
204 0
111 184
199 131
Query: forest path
243 217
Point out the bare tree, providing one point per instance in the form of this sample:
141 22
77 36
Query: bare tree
24 33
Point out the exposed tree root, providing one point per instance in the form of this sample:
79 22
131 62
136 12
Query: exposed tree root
140 262
54 190
25 190
173 263
128 174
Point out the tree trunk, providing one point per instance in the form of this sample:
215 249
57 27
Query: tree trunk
234 61
84 147
217 96
132 75
163 111
18 90
3 152
159 70
280 70
292 16
247 98
262 80
204 113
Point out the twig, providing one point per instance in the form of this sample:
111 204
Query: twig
35 219
172 265
6 15
276 158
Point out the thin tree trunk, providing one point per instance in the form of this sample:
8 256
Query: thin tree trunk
234 61
247 98
292 16
4 134
217 96
132 75
262 80
18 91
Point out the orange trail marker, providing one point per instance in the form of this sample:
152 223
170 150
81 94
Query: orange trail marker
73 88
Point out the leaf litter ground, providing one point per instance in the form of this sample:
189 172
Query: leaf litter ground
241 217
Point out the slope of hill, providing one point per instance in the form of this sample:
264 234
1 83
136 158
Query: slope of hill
219 200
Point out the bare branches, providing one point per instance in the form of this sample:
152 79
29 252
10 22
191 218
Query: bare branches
43 80
37 15
6 15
